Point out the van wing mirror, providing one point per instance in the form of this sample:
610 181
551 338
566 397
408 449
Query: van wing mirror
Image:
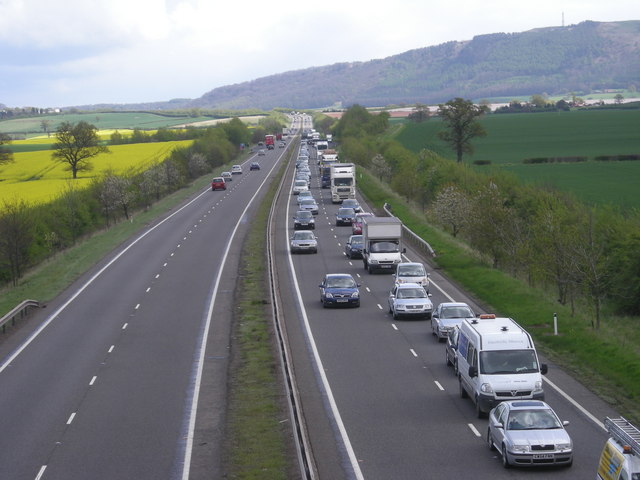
473 371
544 368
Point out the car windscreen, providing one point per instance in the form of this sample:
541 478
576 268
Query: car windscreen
411 293
341 282
536 419
411 271
456 312
384 247
506 362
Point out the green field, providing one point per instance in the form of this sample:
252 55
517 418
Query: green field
103 121
511 138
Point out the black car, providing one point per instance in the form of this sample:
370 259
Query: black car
345 216
353 248
304 220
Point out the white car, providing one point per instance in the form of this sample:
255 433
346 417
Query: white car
409 300
236 170
412 272
300 186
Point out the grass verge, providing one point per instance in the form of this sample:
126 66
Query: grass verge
257 445
607 361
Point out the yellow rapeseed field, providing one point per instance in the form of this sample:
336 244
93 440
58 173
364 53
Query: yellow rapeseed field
36 178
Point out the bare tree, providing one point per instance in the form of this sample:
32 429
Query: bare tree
76 145
116 192
16 237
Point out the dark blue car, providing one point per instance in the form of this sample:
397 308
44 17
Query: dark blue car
339 289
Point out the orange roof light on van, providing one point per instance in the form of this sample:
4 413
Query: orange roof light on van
487 316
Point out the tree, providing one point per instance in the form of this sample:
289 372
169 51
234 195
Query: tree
16 237
419 114
619 98
6 155
453 208
76 145
46 127
460 116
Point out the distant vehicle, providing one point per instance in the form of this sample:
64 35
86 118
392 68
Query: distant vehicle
310 205
236 169
356 226
447 316
304 241
352 203
261 152
528 433
227 176
353 247
218 183
269 141
450 348
409 300
300 186
304 195
339 289
344 216
412 272
282 145
254 166
304 220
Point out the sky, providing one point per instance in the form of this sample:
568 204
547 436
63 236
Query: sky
80 52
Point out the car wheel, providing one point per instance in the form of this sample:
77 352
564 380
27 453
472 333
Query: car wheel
479 412
369 269
505 460
357 304
463 392
455 366
446 358
433 329
492 447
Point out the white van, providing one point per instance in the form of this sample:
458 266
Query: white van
497 361
620 459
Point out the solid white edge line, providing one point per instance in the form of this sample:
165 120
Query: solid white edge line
186 466
575 404
316 355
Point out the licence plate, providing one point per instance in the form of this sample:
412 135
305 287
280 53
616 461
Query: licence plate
342 300
543 456
386 266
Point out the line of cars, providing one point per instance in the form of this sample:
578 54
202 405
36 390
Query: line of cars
220 182
494 358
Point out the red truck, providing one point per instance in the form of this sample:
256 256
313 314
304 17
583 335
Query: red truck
270 141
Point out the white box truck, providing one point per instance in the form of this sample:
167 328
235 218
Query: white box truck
497 361
343 181
382 243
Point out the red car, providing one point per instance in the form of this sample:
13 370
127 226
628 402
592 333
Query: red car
356 225
218 183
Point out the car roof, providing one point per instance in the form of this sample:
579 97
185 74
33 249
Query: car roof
527 404
454 304
409 285
410 263
333 275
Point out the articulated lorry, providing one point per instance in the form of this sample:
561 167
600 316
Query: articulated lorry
382 243
343 181
270 141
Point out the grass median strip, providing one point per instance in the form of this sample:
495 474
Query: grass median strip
258 428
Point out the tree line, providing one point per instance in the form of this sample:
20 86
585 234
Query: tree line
29 234
585 254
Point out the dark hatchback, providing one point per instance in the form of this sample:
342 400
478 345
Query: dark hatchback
339 289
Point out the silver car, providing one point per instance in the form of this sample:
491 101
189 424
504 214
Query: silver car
412 272
529 433
304 241
447 316
410 300
310 205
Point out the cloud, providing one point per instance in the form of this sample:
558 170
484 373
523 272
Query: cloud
121 51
